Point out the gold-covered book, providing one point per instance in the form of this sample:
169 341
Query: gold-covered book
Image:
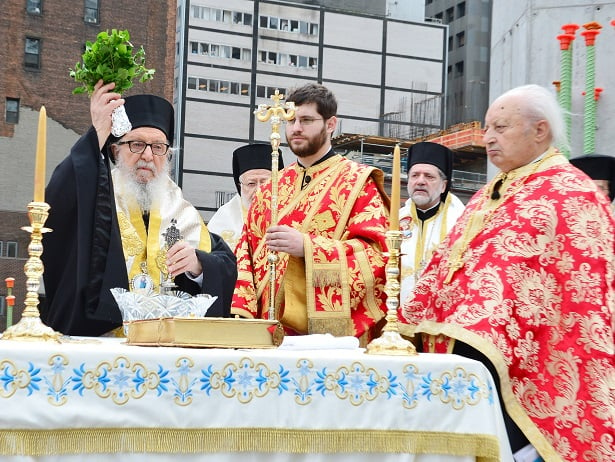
206 332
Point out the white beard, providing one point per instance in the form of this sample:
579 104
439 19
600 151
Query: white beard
143 193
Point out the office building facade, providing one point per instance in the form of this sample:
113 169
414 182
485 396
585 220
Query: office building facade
388 76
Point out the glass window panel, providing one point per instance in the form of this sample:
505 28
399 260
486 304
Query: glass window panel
12 112
11 249
33 6
32 58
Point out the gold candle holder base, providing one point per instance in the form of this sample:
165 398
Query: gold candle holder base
391 342
30 327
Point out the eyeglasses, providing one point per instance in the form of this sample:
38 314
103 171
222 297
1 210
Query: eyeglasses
253 184
304 121
137 147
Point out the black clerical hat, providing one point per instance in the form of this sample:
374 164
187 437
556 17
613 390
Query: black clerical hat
151 111
251 157
598 167
426 152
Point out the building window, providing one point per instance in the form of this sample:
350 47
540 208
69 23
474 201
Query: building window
12 115
32 59
91 13
11 249
461 10
222 197
450 15
461 39
450 44
34 6
438 16
459 69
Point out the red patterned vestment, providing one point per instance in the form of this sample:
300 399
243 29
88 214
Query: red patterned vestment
338 287
536 295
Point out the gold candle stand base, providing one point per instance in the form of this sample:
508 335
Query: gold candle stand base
391 342
30 327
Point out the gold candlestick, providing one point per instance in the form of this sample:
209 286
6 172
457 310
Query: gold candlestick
277 112
30 327
391 342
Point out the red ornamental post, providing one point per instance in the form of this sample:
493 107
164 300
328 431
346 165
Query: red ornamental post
570 28
565 40
590 36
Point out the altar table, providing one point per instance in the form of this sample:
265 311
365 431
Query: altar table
100 399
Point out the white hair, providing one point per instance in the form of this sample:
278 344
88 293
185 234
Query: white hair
541 104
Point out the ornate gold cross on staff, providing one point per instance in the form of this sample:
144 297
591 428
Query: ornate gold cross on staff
276 113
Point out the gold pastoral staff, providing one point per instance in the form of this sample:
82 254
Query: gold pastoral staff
41 149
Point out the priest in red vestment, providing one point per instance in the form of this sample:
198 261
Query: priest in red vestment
526 279
332 219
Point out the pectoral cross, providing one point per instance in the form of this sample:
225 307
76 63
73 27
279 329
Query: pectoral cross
172 235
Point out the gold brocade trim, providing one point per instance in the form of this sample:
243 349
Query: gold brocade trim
133 245
242 440
372 304
513 407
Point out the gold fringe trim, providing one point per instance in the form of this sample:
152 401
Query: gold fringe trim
338 326
326 277
205 440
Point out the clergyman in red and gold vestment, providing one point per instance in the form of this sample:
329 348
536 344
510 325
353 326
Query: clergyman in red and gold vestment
332 219
527 278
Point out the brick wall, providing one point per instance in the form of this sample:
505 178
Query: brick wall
63 34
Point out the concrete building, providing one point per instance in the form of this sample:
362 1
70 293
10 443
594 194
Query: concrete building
468 43
533 26
388 75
